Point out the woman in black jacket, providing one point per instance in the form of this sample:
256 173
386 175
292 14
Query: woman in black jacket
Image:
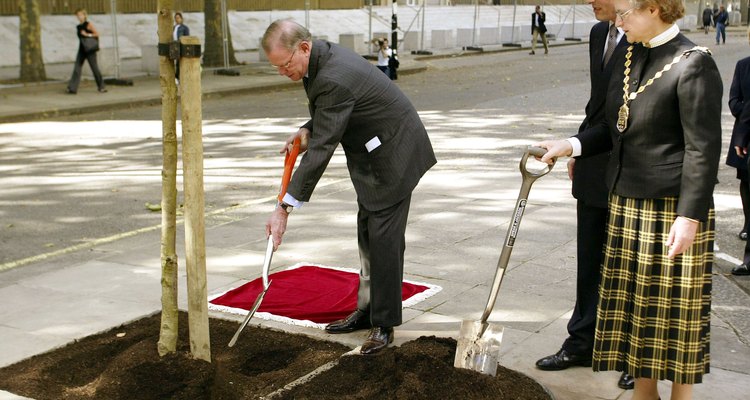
663 127
85 29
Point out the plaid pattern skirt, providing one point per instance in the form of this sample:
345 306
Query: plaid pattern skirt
653 317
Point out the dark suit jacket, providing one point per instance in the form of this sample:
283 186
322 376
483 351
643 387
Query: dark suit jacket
589 183
182 30
672 145
541 26
739 91
352 102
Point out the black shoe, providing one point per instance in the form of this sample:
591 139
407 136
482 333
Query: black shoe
563 360
532 52
741 270
626 381
354 322
68 91
743 235
378 339
102 90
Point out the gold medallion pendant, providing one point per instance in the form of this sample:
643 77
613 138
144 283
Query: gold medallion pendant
622 118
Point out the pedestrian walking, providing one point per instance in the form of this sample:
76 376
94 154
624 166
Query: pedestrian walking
538 29
720 20
88 46
387 151
707 16
664 132
737 156
384 56
606 50
180 30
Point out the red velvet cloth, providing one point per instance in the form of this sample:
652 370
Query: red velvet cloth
317 294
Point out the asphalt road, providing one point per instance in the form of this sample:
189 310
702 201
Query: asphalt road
74 179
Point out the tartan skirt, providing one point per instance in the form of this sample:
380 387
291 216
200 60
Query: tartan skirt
653 316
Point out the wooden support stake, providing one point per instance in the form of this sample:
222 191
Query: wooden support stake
169 312
192 167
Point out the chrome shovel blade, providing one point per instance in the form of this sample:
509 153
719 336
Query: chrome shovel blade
478 347
250 314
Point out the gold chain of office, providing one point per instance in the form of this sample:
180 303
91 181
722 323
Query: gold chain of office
627 97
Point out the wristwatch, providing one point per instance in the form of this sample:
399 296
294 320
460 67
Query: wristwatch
286 207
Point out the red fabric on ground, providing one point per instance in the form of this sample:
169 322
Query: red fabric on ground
317 294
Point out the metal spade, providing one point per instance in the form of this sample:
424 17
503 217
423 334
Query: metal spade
289 160
478 346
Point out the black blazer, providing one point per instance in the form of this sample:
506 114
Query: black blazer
542 19
589 184
182 30
672 145
738 92
353 103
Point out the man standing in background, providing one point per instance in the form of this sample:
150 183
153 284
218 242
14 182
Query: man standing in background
179 31
720 20
538 29
606 49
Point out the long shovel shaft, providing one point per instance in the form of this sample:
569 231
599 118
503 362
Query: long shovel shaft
289 160
510 237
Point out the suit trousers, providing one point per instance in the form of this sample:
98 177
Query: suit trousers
382 242
592 235
534 38
76 78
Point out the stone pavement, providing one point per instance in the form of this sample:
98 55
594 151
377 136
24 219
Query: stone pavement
48 99
458 219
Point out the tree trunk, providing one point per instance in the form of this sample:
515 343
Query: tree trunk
192 170
213 53
169 312
30 31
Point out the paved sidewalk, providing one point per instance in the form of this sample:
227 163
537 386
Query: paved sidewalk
458 219
48 99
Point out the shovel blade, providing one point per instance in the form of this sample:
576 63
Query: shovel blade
249 315
478 347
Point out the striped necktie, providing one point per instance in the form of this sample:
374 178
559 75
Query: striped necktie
611 44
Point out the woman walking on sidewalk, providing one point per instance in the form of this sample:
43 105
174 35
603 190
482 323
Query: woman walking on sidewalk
88 45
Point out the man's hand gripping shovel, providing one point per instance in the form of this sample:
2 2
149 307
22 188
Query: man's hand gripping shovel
289 161
478 346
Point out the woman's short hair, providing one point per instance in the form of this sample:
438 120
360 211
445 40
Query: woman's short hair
669 10
81 10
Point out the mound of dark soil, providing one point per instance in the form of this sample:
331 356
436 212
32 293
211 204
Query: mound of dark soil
106 366
421 369
115 366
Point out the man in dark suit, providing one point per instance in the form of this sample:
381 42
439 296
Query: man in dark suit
538 29
606 49
179 31
387 151
737 156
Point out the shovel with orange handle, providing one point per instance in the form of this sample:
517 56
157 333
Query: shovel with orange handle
289 161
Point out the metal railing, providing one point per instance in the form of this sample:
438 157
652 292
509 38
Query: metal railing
10 7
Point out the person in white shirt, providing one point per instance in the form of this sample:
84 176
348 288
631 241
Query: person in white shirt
384 55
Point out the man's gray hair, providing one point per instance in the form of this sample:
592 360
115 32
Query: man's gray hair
285 33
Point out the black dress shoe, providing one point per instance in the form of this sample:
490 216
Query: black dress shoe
354 322
626 381
741 269
743 235
378 339
562 360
